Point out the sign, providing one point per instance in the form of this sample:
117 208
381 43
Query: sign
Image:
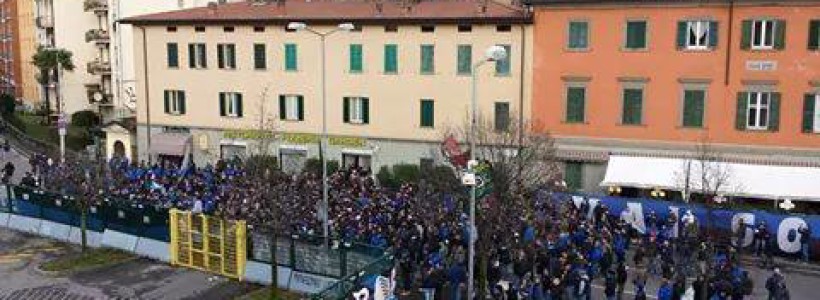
249 134
309 138
483 180
61 125
761 65
451 150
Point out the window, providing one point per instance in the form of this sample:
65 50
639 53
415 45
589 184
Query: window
289 29
697 35
174 102
226 56
693 103
811 113
199 29
635 35
427 58
758 110
763 34
574 175
197 56
258 29
576 98
502 116
290 57
578 35
228 29
391 59
171 29
632 113
465 28
428 28
355 58
291 107
391 28
502 67
465 59
173 55
260 61
814 35
230 104
356 110
503 28
427 113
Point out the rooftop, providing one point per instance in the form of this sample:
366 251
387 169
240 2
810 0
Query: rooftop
656 2
332 12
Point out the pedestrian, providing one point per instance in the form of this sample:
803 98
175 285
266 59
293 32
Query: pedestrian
665 290
610 285
640 286
699 287
805 237
8 172
740 234
776 286
621 275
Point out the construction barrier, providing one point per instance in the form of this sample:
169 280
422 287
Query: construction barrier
208 243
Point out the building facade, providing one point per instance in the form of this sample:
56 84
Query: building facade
658 78
8 31
216 76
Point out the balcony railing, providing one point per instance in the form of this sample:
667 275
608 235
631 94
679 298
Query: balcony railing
95 5
97 36
98 67
45 21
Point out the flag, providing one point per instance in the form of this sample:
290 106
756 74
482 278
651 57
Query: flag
451 150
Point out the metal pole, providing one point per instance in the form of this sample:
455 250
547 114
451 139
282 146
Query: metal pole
325 205
473 237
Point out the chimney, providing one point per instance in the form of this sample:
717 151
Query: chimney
379 7
212 7
482 7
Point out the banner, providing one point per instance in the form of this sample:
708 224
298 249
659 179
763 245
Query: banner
783 226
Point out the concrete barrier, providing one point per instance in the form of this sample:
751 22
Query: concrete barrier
4 219
119 240
25 224
93 238
158 250
258 272
54 230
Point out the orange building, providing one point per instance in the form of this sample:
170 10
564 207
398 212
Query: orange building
656 78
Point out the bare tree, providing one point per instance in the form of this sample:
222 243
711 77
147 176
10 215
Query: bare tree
705 173
83 181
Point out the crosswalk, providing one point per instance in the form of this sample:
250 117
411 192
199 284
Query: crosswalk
55 292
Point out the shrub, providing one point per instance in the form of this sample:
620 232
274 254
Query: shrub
257 165
7 104
385 177
85 118
406 173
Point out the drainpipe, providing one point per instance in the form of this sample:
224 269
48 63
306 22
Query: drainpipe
521 128
147 92
729 42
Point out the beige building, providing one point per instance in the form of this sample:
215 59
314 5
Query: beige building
394 82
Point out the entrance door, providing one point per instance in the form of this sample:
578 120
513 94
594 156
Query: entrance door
119 149
359 161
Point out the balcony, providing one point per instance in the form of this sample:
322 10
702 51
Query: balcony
97 6
98 36
96 95
45 21
98 67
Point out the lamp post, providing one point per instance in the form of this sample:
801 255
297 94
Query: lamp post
299 26
494 53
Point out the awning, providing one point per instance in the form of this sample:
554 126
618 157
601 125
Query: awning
734 179
169 143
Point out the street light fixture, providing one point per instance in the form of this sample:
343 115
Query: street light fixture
322 35
787 205
494 53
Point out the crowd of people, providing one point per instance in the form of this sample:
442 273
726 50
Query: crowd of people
557 249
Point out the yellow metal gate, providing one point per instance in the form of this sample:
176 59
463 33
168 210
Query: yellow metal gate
208 243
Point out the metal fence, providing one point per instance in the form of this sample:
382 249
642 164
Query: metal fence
342 289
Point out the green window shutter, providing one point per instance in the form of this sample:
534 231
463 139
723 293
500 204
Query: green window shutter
222 111
173 55
220 56
346 110
502 67
465 59
682 34
780 34
300 107
239 105
808 112
290 57
191 56
391 62
167 95
575 104
231 48
502 116
203 55
182 102
636 35
355 58
714 28
814 35
633 106
259 57
365 110
427 113
746 35
693 101
578 35
742 106
774 112
574 175
427 59
282 107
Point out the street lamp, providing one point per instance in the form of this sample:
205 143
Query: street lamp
494 53
787 205
322 35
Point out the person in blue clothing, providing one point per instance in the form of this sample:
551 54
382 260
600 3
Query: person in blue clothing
640 286
665 291
610 285
456 276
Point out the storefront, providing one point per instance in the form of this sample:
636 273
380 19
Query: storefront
170 149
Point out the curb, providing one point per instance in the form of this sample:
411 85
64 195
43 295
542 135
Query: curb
38 269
